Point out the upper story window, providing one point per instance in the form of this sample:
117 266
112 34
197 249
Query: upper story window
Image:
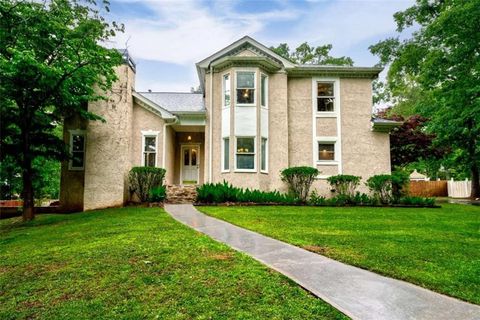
325 97
264 91
150 151
245 88
226 90
77 150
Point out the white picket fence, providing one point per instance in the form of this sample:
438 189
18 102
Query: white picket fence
459 189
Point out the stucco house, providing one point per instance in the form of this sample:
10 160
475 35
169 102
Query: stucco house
256 114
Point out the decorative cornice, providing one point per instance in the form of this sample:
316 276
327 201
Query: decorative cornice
241 61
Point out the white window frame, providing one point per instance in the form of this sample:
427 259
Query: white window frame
254 154
262 154
328 140
336 97
149 134
255 89
223 155
77 132
224 106
266 90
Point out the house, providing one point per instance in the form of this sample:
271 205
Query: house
257 114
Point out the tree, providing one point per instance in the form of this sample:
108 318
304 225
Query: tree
51 64
306 54
441 63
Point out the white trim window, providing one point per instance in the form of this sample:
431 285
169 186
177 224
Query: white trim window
327 150
325 96
77 150
226 96
264 155
225 154
264 91
149 150
245 156
245 88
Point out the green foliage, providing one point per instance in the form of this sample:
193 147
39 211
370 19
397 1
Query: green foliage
400 183
225 192
306 54
417 201
344 184
157 194
142 180
436 73
299 180
53 60
380 186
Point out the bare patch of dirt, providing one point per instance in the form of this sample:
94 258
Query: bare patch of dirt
316 249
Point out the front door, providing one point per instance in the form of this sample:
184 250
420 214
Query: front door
190 164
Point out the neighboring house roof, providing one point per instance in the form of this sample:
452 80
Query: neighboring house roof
177 102
384 125
415 175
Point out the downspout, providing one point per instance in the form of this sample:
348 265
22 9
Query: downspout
210 139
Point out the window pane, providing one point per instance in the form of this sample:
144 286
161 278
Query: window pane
263 163
326 151
149 159
264 89
186 157
245 96
226 154
245 80
150 144
245 145
325 89
325 104
78 142
245 161
226 92
194 157
77 159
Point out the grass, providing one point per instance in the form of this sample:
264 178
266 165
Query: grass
137 263
435 248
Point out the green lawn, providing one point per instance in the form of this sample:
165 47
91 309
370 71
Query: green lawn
137 263
435 248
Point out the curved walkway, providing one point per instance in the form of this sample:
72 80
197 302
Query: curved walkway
358 293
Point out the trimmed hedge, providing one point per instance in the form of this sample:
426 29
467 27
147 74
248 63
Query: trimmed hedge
143 179
299 181
344 184
225 192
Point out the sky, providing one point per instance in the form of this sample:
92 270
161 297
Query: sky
167 38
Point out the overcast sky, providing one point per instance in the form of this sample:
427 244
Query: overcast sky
167 38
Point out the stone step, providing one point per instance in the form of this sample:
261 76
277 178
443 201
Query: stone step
181 194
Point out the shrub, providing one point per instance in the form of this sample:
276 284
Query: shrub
299 180
143 179
381 187
400 182
417 201
225 192
157 194
344 184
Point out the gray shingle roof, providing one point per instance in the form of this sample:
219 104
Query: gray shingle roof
177 102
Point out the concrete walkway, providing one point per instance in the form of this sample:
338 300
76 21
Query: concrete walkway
358 293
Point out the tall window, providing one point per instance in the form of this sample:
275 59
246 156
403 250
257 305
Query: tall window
264 155
150 151
325 97
245 153
264 90
226 90
226 154
245 87
77 150
326 151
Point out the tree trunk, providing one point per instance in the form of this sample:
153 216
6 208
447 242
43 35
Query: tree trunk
475 180
28 204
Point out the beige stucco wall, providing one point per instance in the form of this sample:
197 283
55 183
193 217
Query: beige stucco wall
326 127
108 151
170 155
144 120
364 152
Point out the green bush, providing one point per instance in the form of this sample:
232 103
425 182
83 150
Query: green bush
344 184
417 201
380 186
157 194
400 183
359 199
143 179
225 192
299 181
